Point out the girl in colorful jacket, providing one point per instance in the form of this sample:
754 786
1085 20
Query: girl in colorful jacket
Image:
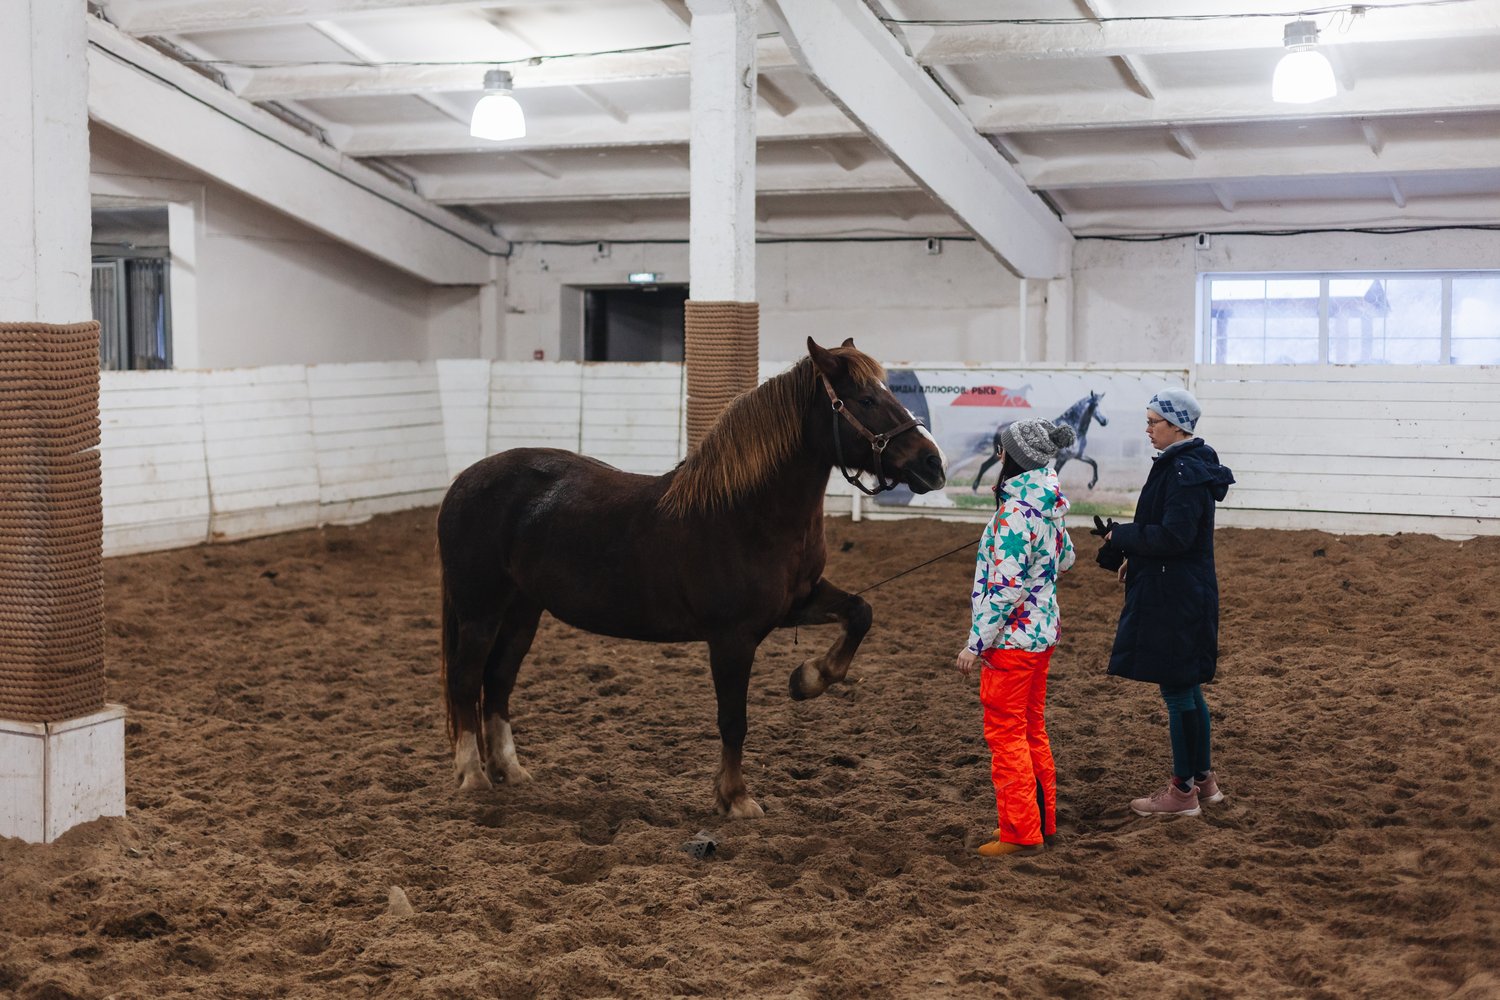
1014 630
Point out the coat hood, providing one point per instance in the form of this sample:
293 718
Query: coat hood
1195 463
1039 491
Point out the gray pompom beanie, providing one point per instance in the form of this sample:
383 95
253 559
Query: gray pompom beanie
1178 407
1034 443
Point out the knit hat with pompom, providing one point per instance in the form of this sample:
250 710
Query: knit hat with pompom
1034 443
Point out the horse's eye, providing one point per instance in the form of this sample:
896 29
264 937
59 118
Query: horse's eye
868 402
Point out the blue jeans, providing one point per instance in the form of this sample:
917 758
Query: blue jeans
1187 717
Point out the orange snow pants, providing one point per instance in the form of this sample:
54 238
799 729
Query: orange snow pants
1013 690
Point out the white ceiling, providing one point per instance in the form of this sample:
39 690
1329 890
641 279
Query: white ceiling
1125 125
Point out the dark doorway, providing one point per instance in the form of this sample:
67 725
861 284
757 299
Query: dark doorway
636 323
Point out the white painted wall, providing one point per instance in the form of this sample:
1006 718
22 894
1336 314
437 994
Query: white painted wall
896 300
267 290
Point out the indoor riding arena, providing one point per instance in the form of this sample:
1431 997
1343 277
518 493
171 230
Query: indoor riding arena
496 512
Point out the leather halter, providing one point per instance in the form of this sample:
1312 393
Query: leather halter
877 442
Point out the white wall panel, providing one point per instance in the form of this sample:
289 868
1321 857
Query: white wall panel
631 415
464 389
360 413
535 405
262 468
152 455
1358 448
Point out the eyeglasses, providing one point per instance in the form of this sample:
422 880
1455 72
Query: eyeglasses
1153 421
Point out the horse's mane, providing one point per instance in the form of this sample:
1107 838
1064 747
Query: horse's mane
757 431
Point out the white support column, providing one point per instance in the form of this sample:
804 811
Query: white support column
1057 319
1024 310
721 203
56 773
44 163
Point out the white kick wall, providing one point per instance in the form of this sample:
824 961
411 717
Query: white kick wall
256 291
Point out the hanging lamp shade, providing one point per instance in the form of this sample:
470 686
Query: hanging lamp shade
1304 74
498 115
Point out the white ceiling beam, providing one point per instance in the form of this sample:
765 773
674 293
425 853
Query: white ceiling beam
598 100
1426 157
1396 194
1185 143
1372 136
864 69
1130 67
161 104
1394 97
1225 199
878 176
847 154
316 82
438 139
537 164
950 45
1360 213
182 16
775 98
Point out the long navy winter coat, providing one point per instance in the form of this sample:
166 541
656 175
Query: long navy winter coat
1169 627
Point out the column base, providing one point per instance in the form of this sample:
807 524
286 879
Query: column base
56 775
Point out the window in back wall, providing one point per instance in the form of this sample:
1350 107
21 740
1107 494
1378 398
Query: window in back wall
1394 318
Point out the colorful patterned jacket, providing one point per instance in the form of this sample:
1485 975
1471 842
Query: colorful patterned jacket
1023 550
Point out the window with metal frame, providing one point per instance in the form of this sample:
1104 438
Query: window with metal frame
1357 318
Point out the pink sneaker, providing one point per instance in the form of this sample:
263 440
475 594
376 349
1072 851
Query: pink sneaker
1168 801
1208 790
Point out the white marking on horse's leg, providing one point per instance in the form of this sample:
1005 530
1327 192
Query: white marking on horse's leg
471 776
503 763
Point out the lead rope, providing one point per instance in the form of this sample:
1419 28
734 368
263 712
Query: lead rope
945 555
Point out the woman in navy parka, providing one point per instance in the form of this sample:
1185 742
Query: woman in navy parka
1169 627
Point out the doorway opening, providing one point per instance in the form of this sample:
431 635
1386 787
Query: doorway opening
634 323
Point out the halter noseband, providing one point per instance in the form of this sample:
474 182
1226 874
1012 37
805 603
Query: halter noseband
877 442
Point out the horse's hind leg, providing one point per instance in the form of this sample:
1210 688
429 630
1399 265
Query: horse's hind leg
730 661
517 631
469 643
828 604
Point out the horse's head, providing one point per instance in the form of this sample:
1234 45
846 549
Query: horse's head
1094 398
868 428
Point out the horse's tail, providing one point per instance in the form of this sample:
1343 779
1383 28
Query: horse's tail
449 644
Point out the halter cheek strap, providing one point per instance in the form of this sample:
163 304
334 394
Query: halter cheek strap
877 442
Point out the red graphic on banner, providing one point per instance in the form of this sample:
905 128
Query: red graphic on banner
991 395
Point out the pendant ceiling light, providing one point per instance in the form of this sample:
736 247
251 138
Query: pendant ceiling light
1304 74
497 115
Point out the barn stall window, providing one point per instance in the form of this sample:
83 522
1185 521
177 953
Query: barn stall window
131 289
1403 318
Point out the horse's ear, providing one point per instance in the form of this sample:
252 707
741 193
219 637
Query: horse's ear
826 361
848 341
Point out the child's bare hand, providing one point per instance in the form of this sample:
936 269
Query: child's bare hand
1122 571
966 661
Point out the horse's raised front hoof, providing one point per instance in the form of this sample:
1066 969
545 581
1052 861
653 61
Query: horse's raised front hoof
743 807
806 682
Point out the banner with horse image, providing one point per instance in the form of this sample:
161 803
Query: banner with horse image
965 408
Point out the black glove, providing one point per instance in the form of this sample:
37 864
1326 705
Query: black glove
1110 556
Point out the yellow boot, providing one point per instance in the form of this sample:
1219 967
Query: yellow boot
998 848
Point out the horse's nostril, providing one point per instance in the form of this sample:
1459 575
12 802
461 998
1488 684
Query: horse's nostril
935 462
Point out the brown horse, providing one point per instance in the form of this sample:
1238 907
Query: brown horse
724 548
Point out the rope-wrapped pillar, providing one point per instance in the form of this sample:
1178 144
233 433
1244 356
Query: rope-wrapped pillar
723 357
51 523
